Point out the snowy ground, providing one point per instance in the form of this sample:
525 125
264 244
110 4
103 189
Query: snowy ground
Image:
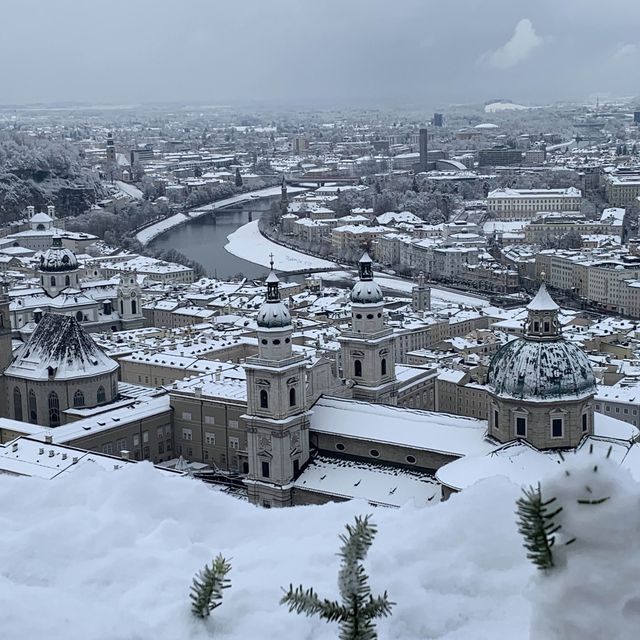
110 556
149 233
249 244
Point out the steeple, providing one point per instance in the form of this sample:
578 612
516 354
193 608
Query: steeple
284 199
542 321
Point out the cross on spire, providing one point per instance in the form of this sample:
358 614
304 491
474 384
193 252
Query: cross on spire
271 260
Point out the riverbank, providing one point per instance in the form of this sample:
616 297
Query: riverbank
146 235
249 244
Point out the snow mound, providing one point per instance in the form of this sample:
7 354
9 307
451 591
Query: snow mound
110 555
503 106
592 592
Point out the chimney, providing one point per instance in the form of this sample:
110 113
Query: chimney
197 391
48 438
124 454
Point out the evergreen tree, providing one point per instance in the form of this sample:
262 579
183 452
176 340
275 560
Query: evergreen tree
358 609
238 178
414 185
206 591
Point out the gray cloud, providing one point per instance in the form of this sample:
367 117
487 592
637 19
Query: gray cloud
330 52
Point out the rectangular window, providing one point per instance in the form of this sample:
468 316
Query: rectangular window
265 469
625 410
187 434
160 446
597 407
145 436
521 426
209 438
617 409
121 445
296 468
556 428
169 447
209 420
585 422
189 452
233 424
186 415
496 423
136 440
107 447
145 453
234 443
159 433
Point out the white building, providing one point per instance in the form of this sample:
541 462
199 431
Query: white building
524 204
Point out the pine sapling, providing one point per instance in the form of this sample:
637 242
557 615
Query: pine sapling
358 608
206 590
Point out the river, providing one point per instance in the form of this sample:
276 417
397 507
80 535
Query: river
204 238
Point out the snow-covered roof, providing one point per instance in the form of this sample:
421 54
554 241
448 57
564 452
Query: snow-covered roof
543 301
378 484
60 349
441 432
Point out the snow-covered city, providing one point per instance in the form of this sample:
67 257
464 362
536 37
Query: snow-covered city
320 321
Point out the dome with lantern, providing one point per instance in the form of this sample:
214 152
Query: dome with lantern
366 290
542 365
58 258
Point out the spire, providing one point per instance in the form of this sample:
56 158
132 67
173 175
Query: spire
365 267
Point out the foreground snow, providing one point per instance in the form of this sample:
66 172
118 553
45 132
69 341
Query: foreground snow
110 556
249 244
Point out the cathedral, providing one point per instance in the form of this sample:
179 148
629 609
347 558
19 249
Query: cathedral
298 428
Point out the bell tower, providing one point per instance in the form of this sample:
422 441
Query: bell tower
368 349
129 304
6 355
277 419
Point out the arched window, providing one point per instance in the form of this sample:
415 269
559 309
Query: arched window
54 410
53 281
67 281
78 398
357 368
264 399
33 407
383 366
292 397
134 307
17 404
101 395
79 316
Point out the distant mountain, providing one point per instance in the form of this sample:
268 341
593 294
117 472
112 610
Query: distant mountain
493 107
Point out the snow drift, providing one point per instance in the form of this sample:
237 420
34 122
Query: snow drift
111 555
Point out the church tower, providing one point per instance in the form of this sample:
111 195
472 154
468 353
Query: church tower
58 269
277 419
367 349
420 295
129 303
111 148
541 386
5 346
284 198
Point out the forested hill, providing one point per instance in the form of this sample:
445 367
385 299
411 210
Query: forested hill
39 171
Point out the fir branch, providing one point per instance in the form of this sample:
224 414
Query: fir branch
359 609
206 590
537 526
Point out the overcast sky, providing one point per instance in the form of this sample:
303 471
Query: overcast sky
307 51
